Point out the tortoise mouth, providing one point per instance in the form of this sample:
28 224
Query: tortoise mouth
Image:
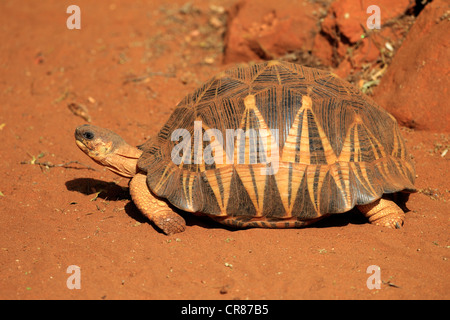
80 139
82 146
90 140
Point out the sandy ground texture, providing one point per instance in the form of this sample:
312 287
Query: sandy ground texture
126 69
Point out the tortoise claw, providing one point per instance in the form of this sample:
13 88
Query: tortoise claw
384 213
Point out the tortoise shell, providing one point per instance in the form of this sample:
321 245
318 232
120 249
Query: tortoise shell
276 140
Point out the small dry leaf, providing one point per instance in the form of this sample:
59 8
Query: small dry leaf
80 111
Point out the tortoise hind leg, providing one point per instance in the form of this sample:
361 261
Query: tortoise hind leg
383 212
156 210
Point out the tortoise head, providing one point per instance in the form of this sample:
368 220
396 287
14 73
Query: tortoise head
107 148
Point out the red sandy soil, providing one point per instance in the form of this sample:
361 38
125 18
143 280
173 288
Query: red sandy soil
129 65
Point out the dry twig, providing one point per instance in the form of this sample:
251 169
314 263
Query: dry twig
66 165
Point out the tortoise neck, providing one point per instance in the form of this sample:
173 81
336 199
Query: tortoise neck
123 161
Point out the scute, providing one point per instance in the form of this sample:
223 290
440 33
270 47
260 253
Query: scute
337 148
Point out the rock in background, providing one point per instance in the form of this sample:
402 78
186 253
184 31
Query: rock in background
415 89
347 44
269 29
407 58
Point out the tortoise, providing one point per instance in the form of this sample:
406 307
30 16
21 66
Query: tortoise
272 145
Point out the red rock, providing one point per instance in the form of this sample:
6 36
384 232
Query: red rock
415 89
351 16
323 49
344 27
268 29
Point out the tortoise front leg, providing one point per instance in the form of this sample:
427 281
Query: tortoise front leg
383 212
156 210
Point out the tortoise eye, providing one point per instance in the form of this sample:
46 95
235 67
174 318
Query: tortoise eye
88 135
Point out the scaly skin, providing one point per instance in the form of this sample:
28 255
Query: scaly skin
158 211
384 213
